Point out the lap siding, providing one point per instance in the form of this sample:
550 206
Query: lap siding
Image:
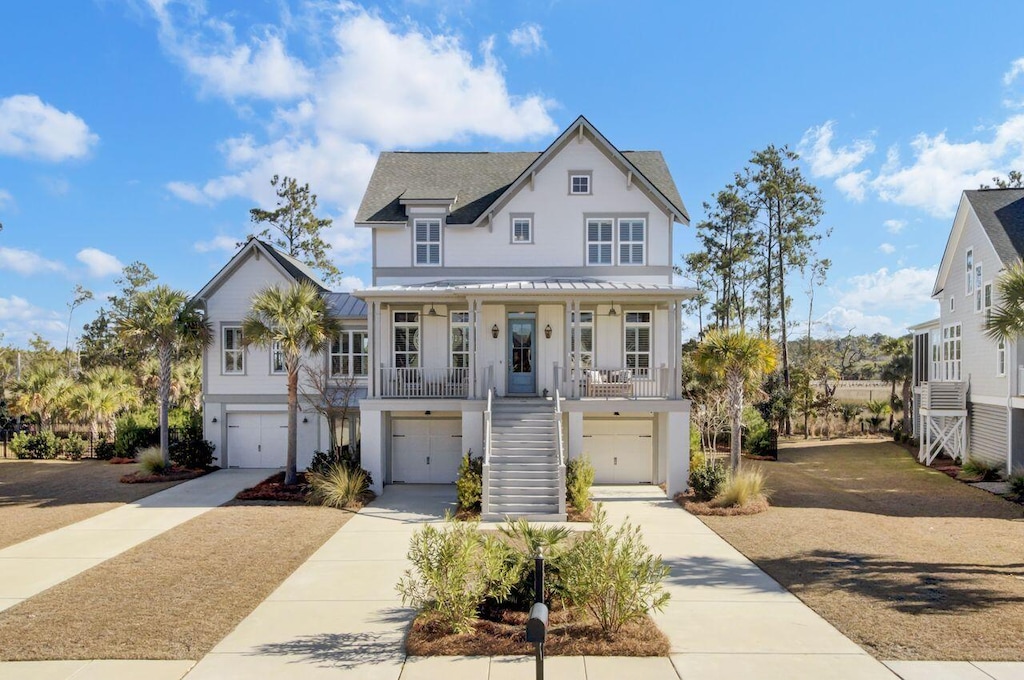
988 441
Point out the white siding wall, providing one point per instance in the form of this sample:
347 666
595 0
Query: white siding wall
558 224
988 434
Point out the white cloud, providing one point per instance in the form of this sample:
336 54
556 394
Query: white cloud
853 185
31 128
528 38
887 248
188 192
1016 69
903 289
227 244
895 226
816 148
350 283
19 320
26 262
839 321
6 199
99 263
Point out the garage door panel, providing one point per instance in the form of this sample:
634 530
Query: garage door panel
621 451
425 451
273 440
257 440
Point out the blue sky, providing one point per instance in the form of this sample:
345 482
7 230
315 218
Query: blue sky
146 129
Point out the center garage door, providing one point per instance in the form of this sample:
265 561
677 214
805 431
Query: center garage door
257 440
621 450
425 451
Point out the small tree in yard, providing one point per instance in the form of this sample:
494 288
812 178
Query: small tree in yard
295 320
1006 320
740 360
165 320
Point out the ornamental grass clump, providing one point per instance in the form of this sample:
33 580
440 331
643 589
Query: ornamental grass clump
151 461
744 488
337 487
1016 482
613 575
978 471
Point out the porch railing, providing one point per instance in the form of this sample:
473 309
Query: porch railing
621 383
424 383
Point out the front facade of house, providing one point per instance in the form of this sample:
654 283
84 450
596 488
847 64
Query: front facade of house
968 387
500 282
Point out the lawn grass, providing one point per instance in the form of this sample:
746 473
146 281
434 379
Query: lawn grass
38 496
175 596
907 562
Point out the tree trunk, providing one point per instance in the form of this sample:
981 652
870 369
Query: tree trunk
165 397
290 473
892 405
781 263
736 406
906 407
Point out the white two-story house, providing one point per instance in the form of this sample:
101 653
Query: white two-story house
522 309
968 387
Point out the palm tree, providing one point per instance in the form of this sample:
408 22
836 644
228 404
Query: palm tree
1006 320
43 390
104 391
899 369
741 360
165 320
297 320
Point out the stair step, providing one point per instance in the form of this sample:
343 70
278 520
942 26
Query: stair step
528 510
503 492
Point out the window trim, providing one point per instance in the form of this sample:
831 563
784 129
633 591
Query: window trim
987 299
275 348
969 268
978 287
610 243
395 325
1000 358
586 321
626 325
515 217
642 242
452 325
416 222
240 349
351 354
589 175
952 368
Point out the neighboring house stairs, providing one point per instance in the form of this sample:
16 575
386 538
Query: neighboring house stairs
525 477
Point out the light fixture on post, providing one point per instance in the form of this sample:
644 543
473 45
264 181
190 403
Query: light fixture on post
547 331
494 331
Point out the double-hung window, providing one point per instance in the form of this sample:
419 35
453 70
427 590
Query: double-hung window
988 300
1001 358
969 268
234 353
638 340
277 359
631 241
407 339
951 346
460 339
427 235
586 349
978 288
350 354
600 236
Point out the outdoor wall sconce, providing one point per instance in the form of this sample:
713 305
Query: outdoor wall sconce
305 419
494 331
214 419
547 331
617 413
426 413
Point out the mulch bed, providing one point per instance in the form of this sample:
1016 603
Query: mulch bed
502 633
273 488
173 474
708 508
118 460
575 515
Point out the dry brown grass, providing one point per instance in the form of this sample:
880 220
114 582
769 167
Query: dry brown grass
565 638
175 596
708 508
904 560
37 496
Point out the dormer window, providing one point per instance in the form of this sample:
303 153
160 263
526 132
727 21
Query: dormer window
579 182
427 246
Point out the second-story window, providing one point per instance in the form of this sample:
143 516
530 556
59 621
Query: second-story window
599 241
631 241
579 183
951 346
234 353
277 359
969 268
460 340
1001 358
978 292
428 241
350 354
638 340
407 339
988 300
522 230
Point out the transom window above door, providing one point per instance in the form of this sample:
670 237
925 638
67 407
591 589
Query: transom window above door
427 246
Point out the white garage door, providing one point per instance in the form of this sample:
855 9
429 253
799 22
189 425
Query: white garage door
425 451
257 440
622 451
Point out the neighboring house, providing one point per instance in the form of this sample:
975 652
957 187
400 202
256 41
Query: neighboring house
968 387
245 395
500 281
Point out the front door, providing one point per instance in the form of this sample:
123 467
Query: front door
522 377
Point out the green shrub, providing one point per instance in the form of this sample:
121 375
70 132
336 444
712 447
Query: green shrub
71 447
454 569
469 486
974 469
34 446
523 539
195 454
104 450
695 443
151 461
337 487
579 477
706 477
746 486
614 575
134 432
1016 481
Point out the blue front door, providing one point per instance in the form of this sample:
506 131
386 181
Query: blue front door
521 374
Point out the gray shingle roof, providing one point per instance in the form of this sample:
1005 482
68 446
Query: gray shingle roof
298 270
475 179
1001 213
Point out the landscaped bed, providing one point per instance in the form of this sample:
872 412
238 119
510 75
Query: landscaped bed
904 560
175 596
273 488
38 496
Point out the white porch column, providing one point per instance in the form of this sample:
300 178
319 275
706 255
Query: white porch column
373 449
566 366
677 361
577 341
674 442
371 371
575 434
473 312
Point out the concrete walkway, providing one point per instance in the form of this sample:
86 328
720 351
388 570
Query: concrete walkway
32 566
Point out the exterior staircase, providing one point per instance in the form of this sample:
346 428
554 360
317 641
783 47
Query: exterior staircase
523 473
